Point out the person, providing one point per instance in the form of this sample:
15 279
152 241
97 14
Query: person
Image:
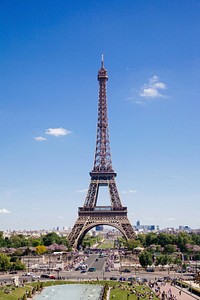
163 295
180 292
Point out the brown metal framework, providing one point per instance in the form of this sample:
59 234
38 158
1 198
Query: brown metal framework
91 215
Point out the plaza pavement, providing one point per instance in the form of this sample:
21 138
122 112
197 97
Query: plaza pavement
185 294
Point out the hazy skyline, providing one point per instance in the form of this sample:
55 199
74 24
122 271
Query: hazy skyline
50 53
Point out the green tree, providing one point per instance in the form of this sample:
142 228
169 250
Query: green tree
27 251
169 249
35 242
18 252
165 239
51 238
142 239
195 239
151 238
163 260
24 297
145 258
4 262
131 244
2 241
18 240
177 261
18 265
182 239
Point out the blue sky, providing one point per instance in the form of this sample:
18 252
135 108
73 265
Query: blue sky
50 53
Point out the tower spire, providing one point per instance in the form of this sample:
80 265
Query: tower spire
102 60
102 160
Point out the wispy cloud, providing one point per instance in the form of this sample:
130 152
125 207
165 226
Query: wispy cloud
129 192
82 191
153 88
57 131
4 211
40 138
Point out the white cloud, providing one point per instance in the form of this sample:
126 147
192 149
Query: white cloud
153 79
149 92
40 138
57 131
4 211
82 191
153 88
129 192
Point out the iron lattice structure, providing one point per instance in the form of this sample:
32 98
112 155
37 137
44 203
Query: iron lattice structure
102 174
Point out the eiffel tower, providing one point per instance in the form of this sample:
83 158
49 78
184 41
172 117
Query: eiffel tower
102 174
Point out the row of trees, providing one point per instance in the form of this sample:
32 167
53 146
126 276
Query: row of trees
89 241
19 240
167 243
8 263
146 258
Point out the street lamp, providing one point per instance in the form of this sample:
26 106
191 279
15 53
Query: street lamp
103 273
58 276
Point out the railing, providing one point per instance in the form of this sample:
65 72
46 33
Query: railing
103 208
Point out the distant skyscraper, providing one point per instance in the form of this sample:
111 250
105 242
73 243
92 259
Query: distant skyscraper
99 228
138 223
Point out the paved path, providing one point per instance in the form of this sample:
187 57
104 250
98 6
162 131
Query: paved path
185 295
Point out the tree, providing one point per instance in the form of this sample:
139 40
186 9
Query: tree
1 239
40 250
18 265
142 239
145 259
4 262
182 239
131 244
24 297
177 261
36 242
51 238
151 238
18 252
163 260
165 238
169 248
195 239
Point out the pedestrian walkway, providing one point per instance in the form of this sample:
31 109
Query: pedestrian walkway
178 293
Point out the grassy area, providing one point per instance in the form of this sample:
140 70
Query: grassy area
106 245
125 292
14 293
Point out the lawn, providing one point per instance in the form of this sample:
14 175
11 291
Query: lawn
125 292
15 293
106 245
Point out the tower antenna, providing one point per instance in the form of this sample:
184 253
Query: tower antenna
102 60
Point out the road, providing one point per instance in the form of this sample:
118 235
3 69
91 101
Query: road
94 261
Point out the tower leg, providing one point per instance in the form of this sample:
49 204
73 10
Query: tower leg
84 224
